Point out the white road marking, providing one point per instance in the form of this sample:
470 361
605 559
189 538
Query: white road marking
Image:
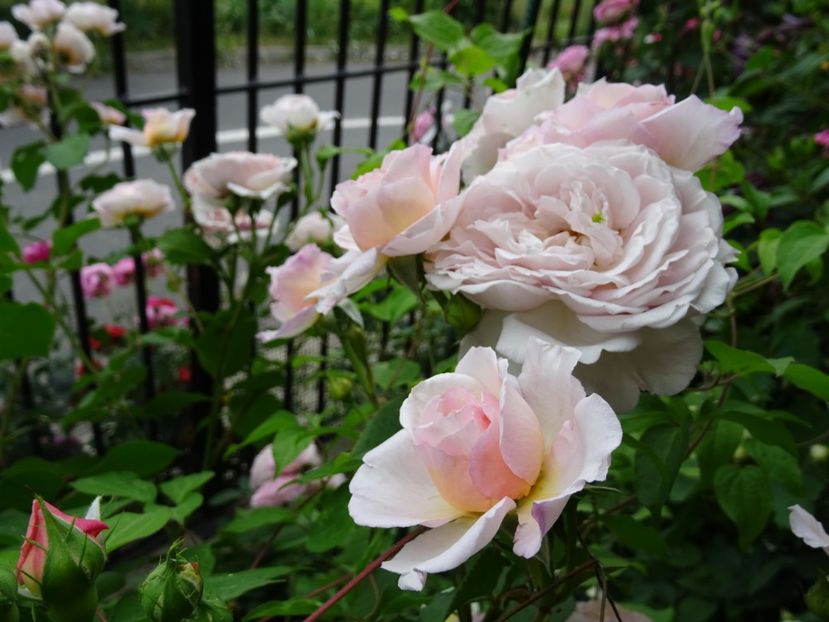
225 137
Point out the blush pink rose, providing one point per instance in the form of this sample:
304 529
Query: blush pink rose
609 11
73 48
37 251
97 280
94 17
570 61
297 113
478 444
807 528
108 115
161 127
238 173
271 488
38 14
400 208
687 134
143 197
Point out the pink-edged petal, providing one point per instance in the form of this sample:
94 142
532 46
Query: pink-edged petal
298 324
521 439
483 365
425 232
433 387
807 528
279 491
446 547
393 488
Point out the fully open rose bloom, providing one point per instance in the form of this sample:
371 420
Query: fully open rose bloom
161 127
807 528
400 208
297 113
39 13
144 197
94 17
73 48
687 134
606 249
478 444
220 176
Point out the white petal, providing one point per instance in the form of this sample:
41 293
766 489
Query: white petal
807 528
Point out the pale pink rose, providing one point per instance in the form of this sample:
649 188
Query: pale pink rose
97 280
221 175
591 610
161 312
108 115
73 48
807 528
616 33
313 227
8 36
143 197
39 13
478 444
37 251
570 61
400 208
124 271
601 249
687 134
94 17
272 489
161 127
424 125
297 113
506 115
609 11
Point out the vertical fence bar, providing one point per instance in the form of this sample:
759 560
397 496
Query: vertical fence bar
414 52
119 74
196 60
379 61
253 72
480 15
506 15
144 326
574 22
439 108
530 18
551 30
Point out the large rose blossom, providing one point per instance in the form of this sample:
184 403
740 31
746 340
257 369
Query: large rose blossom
807 528
401 207
271 488
687 134
144 197
39 13
595 248
609 11
94 17
73 47
161 127
297 112
478 444
506 115
221 175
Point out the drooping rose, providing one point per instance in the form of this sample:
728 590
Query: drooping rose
8 36
570 61
609 11
39 13
35 550
161 127
108 115
591 610
313 227
477 444
73 48
271 488
401 208
94 17
96 280
144 197
297 113
605 249
687 134
506 115
807 528
37 251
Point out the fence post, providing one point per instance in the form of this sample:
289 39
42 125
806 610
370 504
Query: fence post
196 65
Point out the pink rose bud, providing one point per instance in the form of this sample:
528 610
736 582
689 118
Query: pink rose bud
37 251
97 280
108 115
424 123
822 140
311 228
154 262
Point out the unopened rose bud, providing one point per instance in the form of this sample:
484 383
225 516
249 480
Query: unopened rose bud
173 591
339 387
297 117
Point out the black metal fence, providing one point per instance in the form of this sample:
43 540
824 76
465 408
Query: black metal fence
197 88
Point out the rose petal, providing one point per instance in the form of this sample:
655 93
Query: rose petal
807 528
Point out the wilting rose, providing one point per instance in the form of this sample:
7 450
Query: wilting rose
591 611
477 444
37 251
297 113
313 227
271 488
506 115
687 134
605 249
144 197
39 13
35 550
96 280
161 127
73 47
220 176
8 36
609 11
108 115
807 528
94 17
400 208
161 312
570 61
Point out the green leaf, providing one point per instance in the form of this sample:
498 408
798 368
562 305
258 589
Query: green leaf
289 441
800 244
184 246
333 525
292 607
767 249
470 60
744 495
636 536
177 489
25 164
224 347
437 28
128 527
463 121
26 330
234 584
779 465
393 307
256 518
396 373
717 448
63 240
264 430
809 379
661 452
123 484
383 425
144 458
68 152
744 362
